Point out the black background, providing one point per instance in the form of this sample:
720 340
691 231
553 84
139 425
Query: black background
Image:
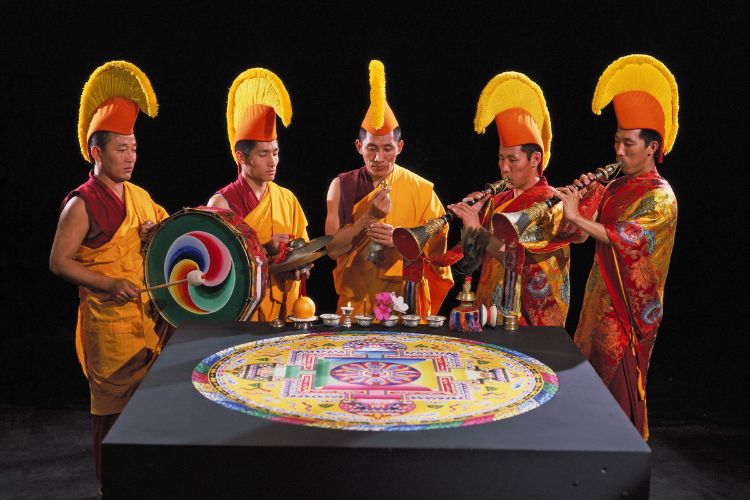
438 57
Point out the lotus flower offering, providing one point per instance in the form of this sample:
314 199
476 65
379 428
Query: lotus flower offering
386 303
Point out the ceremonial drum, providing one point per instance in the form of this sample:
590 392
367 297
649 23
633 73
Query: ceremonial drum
226 251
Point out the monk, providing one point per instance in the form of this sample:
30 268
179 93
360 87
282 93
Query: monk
97 246
271 210
634 228
363 207
529 278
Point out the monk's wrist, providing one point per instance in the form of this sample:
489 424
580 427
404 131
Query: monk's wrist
575 218
366 220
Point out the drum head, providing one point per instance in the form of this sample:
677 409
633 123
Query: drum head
194 240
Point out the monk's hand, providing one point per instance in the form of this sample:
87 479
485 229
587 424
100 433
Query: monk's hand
144 230
479 200
382 233
302 273
569 197
468 215
380 204
121 291
272 247
584 182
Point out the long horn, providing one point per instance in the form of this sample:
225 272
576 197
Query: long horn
509 227
409 242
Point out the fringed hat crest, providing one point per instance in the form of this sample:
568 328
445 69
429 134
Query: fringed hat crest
110 101
645 95
379 119
256 97
518 107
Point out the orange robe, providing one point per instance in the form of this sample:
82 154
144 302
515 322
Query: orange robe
622 307
413 202
116 344
278 212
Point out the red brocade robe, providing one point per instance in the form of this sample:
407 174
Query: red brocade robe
622 307
541 261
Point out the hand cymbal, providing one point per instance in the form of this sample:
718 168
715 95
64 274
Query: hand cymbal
302 255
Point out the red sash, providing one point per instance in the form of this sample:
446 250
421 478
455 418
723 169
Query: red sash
355 185
240 197
104 208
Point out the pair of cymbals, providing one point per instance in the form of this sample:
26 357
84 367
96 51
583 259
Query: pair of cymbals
301 254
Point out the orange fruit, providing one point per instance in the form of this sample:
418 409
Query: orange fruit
303 308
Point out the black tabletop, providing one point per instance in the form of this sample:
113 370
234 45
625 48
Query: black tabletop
167 410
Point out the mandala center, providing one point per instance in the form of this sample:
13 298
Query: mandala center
375 373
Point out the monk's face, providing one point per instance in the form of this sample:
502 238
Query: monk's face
636 156
516 164
116 159
260 165
379 153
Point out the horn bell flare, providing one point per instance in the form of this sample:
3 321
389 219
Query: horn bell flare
408 242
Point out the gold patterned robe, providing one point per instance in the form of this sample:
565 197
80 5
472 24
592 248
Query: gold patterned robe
623 304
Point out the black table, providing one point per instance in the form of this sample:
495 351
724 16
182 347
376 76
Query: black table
172 441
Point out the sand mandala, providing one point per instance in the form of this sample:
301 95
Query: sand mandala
373 381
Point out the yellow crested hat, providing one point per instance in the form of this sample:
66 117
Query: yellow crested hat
110 101
255 98
519 110
379 119
644 95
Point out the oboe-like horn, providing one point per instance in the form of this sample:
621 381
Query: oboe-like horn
409 242
510 226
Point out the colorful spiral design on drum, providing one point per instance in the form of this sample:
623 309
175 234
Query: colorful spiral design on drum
205 252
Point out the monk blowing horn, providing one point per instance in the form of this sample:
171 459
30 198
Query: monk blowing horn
510 226
409 242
